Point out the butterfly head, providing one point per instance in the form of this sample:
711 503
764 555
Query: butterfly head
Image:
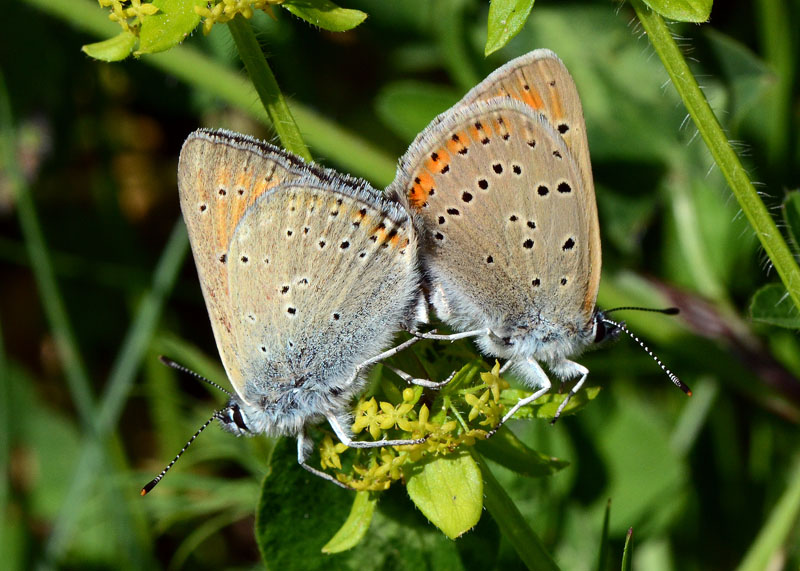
234 418
604 330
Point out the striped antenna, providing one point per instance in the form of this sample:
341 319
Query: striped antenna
217 415
178 367
665 311
621 326
152 483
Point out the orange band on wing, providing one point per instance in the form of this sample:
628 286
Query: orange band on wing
555 104
532 98
438 160
420 190
458 143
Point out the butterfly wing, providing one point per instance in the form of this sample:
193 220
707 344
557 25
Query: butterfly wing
321 275
220 176
540 80
507 220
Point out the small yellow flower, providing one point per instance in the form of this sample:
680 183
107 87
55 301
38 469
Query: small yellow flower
367 416
129 13
329 453
137 9
493 380
444 431
424 413
390 468
396 416
478 404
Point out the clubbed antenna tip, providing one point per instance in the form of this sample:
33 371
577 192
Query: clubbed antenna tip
621 326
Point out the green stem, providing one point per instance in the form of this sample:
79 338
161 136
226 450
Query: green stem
120 383
140 333
54 308
511 523
774 537
714 137
627 551
775 29
267 87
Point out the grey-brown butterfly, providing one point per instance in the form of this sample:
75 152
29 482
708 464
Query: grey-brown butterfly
307 275
501 190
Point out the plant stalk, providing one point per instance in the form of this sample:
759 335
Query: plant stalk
511 522
267 87
707 124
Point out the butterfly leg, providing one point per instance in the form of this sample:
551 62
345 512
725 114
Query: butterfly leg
389 352
403 375
569 369
540 380
455 336
428 384
304 446
345 438
506 366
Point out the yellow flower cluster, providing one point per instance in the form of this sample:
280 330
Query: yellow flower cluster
443 432
221 11
128 13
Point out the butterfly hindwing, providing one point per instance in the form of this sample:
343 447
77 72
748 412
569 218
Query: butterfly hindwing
500 200
220 176
320 277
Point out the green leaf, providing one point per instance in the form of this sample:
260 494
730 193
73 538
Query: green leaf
791 216
632 437
174 21
513 525
113 49
506 19
407 107
696 11
602 556
778 531
400 539
748 77
355 527
297 514
448 490
771 304
325 14
627 552
465 377
546 406
509 451
631 213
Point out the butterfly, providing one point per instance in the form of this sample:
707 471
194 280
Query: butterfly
501 191
307 275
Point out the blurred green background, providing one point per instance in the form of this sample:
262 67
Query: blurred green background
705 482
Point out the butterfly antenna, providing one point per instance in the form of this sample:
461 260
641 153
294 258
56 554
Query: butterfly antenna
672 376
178 367
665 311
152 483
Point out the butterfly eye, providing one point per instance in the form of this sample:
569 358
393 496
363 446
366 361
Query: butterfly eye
600 331
605 331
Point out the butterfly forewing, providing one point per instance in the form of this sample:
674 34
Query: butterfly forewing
502 203
220 175
318 278
540 80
